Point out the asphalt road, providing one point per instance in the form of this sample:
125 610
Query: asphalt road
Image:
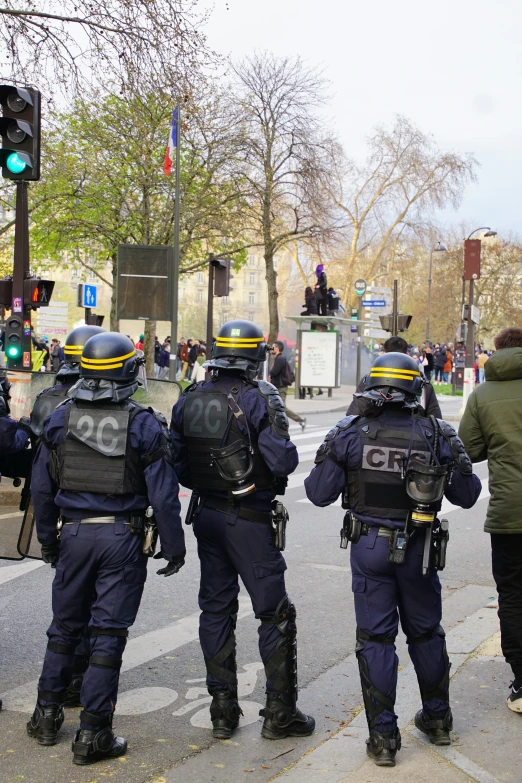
163 704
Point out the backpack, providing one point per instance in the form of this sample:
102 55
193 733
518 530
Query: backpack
287 376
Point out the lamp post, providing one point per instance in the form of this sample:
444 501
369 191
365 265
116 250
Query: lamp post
439 248
472 274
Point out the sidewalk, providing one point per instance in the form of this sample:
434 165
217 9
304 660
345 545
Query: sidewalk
486 742
342 397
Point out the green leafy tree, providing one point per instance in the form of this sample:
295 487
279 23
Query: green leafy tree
103 184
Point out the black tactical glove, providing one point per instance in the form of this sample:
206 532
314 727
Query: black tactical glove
172 567
51 553
25 424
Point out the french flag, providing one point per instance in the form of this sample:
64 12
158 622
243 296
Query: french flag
169 154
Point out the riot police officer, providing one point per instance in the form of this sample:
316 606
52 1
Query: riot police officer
46 402
102 461
68 374
232 447
393 468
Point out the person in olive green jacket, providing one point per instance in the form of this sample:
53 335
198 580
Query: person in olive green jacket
491 429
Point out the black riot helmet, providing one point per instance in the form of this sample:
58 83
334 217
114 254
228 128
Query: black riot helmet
110 356
74 345
240 345
395 377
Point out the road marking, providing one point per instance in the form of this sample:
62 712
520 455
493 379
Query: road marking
12 572
328 567
305 435
458 760
138 651
140 701
13 515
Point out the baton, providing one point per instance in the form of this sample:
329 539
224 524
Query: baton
427 552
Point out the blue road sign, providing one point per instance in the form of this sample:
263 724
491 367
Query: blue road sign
374 303
90 295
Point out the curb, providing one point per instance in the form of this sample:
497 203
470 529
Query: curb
10 497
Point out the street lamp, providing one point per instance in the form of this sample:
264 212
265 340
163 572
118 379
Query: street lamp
439 248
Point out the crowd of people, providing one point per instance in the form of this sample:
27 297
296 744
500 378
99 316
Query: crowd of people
190 356
439 360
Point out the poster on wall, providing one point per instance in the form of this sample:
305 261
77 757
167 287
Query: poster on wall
319 359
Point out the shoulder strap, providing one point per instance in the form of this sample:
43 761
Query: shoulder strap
341 426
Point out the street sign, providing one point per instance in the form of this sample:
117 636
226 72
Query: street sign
373 303
360 287
89 295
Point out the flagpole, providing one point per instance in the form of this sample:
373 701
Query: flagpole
175 269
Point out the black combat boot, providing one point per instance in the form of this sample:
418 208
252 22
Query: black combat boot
437 730
224 713
284 720
382 748
46 723
281 714
91 745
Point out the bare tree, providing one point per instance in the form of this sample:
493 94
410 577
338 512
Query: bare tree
280 152
404 178
65 41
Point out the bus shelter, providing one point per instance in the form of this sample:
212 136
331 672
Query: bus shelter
318 350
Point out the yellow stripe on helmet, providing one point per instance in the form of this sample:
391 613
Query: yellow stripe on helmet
241 339
101 369
388 370
73 349
104 362
236 345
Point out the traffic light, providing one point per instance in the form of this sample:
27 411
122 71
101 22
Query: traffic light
403 321
6 292
222 276
20 132
94 320
13 343
355 314
37 293
386 322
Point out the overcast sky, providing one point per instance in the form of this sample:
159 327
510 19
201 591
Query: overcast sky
454 67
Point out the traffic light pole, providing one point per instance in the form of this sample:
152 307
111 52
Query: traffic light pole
359 343
210 304
20 273
395 312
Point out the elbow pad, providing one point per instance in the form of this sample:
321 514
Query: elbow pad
458 452
165 450
324 448
276 409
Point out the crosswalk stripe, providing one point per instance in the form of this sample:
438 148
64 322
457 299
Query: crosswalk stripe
12 572
446 507
140 650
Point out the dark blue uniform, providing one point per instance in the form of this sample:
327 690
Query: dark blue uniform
103 561
385 592
230 545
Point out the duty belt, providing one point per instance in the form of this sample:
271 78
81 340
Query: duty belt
383 532
263 517
96 520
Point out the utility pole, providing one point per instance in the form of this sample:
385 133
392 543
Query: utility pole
395 312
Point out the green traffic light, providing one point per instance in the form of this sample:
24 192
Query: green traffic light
15 164
14 352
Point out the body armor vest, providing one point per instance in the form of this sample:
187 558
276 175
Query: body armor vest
209 423
95 454
46 402
377 488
